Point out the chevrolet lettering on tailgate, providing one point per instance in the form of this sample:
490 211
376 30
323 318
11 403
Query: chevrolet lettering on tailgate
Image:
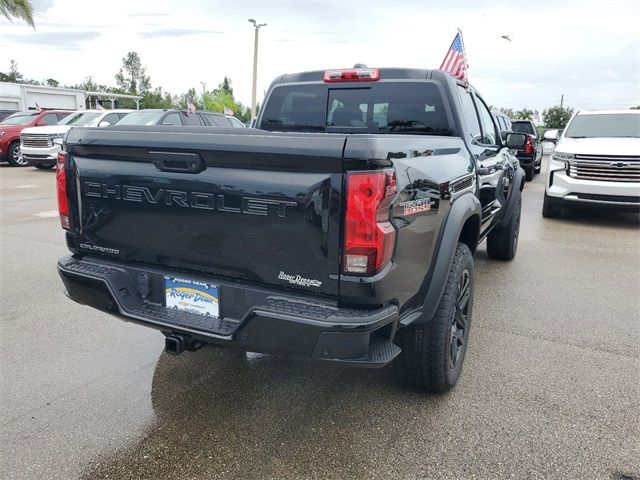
202 200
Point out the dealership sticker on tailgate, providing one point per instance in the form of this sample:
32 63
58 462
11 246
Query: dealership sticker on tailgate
193 297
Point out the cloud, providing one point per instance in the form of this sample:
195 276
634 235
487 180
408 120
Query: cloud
60 39
176 32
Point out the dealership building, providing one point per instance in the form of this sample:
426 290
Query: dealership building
18 96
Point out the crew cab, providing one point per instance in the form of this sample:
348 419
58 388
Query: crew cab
38 144
596 162
530 156
342 228
178 117
11 127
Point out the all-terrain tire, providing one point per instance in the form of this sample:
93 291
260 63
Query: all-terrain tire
528 173
433 352
502 242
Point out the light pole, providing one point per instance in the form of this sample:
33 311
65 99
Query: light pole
255 66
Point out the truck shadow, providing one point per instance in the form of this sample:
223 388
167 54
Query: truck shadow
225 414
600 217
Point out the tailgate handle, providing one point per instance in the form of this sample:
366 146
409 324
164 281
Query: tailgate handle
177 162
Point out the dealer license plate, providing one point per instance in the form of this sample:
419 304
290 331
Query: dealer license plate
191 296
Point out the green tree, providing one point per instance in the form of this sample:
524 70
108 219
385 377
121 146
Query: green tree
508 112
557 117
21 9
132 77
52 82
635 108
157 99
524 114
225 86
14 76
189 95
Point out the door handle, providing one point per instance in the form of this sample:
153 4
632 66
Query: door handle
178 162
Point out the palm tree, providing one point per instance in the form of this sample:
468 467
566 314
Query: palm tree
17 9
524 114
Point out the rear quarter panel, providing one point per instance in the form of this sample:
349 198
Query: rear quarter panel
424 166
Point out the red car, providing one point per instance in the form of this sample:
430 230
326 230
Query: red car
11 127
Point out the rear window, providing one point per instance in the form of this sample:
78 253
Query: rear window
80 119
142 117
385 107
523 127
216 120
621 125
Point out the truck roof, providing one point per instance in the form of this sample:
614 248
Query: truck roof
385 74
607 112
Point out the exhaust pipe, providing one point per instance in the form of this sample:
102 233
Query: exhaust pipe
175 344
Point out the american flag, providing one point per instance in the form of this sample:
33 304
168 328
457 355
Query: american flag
191 108
454 61
228 111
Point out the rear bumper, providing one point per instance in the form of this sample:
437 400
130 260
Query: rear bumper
251 318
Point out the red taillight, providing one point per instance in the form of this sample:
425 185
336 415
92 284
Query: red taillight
352 75
61 187
528 147
369 236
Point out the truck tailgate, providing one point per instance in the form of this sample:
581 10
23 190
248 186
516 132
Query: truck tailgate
245 205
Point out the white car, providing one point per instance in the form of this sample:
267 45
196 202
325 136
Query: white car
37 143
595 162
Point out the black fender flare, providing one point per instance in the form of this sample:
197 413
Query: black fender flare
460 211
510 202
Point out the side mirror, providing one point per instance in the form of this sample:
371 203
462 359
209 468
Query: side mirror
516 140
104 123
551 136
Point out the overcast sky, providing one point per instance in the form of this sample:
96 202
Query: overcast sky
588 51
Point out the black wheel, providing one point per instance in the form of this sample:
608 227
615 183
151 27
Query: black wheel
549 207
14 157
528 173
433 353
502 242
45 166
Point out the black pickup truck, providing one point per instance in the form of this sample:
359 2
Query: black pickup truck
342 228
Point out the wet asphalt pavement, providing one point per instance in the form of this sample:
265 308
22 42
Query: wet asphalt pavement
550 387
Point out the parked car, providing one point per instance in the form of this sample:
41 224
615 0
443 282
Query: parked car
38 144
596 162
530 156
344 230
179 118
11 127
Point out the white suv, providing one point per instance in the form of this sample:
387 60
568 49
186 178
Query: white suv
596 162
37 143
